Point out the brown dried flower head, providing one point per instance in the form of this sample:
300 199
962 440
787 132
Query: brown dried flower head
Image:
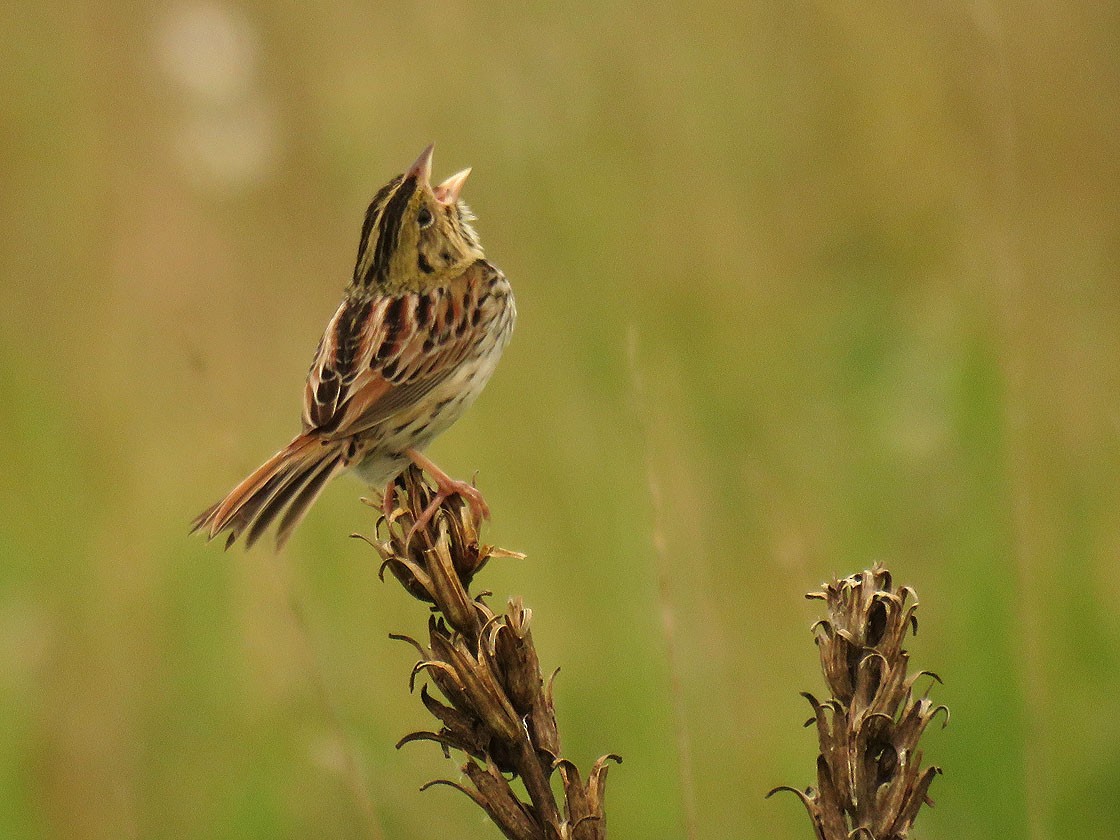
870 781
496 707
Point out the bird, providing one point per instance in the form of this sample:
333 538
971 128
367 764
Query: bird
418 334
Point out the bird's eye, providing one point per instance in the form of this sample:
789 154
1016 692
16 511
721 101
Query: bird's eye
424 217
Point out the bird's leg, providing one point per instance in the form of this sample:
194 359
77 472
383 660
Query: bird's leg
388 499
448 486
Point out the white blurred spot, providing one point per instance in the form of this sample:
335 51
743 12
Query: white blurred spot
209 49
231 147
227 134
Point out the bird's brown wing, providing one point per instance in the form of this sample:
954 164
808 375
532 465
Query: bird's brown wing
382 355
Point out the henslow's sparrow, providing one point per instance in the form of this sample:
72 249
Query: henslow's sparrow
414 341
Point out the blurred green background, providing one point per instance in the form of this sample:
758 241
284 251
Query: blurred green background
864 255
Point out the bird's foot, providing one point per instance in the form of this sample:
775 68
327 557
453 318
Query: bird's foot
447 487
388 500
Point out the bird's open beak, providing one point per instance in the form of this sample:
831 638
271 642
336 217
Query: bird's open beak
422 169
448 191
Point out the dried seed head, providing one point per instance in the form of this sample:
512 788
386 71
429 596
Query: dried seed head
869 776
498 710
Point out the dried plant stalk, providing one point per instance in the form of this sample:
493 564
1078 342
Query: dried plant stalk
870 781
499 710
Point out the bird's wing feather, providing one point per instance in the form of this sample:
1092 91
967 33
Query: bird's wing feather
381 356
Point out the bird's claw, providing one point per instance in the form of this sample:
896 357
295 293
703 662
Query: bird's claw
474 498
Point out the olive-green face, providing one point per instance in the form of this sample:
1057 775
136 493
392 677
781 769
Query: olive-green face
437 237
412 239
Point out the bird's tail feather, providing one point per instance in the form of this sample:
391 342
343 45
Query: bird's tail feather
293 478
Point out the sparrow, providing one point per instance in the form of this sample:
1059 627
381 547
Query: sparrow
417 336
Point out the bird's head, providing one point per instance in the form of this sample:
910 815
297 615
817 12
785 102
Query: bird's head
416 236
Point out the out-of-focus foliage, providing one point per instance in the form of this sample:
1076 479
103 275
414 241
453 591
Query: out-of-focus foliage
866 254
